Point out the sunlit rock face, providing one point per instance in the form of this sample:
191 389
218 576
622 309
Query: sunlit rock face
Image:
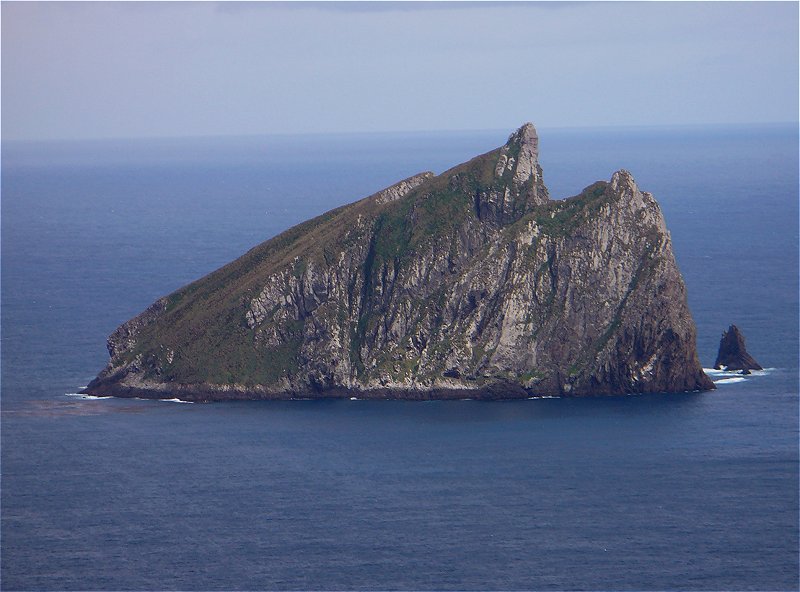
472 283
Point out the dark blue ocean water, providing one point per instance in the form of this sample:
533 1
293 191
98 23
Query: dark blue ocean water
692 491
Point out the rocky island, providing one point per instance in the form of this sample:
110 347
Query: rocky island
468 284
732 355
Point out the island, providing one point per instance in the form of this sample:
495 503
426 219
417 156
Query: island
468 284
732 355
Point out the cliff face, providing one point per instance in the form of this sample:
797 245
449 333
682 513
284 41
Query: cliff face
472 283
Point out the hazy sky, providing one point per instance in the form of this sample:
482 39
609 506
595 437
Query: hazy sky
131 69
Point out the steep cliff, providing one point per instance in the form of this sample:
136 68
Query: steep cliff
472 283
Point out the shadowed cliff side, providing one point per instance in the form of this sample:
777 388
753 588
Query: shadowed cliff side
472 283
732 354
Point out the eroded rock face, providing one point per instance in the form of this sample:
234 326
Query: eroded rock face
733 354
472 283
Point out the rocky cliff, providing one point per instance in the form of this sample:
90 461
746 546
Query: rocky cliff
472 283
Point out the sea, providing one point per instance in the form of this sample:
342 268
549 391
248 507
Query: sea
691 491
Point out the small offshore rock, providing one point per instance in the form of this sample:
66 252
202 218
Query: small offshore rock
733 354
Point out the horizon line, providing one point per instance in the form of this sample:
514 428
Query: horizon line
550 128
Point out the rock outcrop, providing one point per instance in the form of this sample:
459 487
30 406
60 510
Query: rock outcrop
733 354
472 283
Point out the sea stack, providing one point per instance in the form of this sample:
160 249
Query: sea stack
733 354
468 284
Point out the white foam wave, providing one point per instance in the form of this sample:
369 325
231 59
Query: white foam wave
86 397
730 380
354 398
175 401
715 372
731 376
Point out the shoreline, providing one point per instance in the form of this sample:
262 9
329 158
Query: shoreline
215 393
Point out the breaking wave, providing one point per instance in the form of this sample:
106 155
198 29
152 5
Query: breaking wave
729 376
730 380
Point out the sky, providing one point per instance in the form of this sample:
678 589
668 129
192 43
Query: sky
75 70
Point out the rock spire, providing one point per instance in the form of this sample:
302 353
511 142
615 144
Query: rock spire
733 354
